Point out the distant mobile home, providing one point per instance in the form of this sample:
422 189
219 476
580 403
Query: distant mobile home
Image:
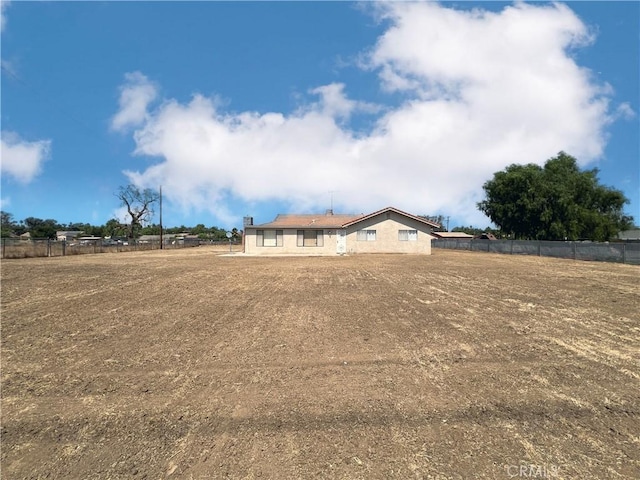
386 231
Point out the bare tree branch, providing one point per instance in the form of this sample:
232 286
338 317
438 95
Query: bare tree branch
139 205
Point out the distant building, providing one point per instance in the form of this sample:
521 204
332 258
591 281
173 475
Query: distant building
630 235
68 235
485 236
452 235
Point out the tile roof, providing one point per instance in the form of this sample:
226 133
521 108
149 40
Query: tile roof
630 234
320 220
451 235
328 220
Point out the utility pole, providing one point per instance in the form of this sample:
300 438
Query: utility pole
161 242
331 192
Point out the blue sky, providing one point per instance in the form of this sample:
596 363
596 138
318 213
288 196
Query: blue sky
258 108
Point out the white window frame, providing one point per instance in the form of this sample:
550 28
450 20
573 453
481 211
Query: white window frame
273 238
310 238
407 235
366 236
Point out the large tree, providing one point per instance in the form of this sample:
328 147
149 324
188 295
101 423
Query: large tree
8 226
554 202
139 204
42 228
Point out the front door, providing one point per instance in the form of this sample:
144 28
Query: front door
341 242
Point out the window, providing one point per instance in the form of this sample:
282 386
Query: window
310 238
408 235
366 235
269 238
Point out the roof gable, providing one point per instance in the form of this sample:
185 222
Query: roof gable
452 235
395 210
330 220
308 221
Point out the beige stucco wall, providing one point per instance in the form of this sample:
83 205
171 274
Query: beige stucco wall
290 244
386 239
387 235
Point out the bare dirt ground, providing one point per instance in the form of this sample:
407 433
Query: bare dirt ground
187 364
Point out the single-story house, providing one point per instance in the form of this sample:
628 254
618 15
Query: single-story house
485 236
630 235
386 231
89 240
67 235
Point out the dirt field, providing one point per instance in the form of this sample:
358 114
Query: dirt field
187 364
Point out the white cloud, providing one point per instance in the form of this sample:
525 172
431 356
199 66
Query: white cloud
22 160
3 18
19 158
334 103
625 112
121 214
483 90
135 96
9 68
5 202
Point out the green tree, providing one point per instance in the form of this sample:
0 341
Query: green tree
95 230
8 224
199 229
113 228
139 204
218 233
153 229
554 202
42 228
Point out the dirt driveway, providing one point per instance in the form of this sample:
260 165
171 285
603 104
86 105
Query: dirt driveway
188 364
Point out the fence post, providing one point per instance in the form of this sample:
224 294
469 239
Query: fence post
539 249
511 250
624 253
574 250
48 247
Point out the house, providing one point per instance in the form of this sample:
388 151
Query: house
485 236
630 235
67 236
386 231
89 240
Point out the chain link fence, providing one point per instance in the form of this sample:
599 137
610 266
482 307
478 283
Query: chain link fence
620 252
44 247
